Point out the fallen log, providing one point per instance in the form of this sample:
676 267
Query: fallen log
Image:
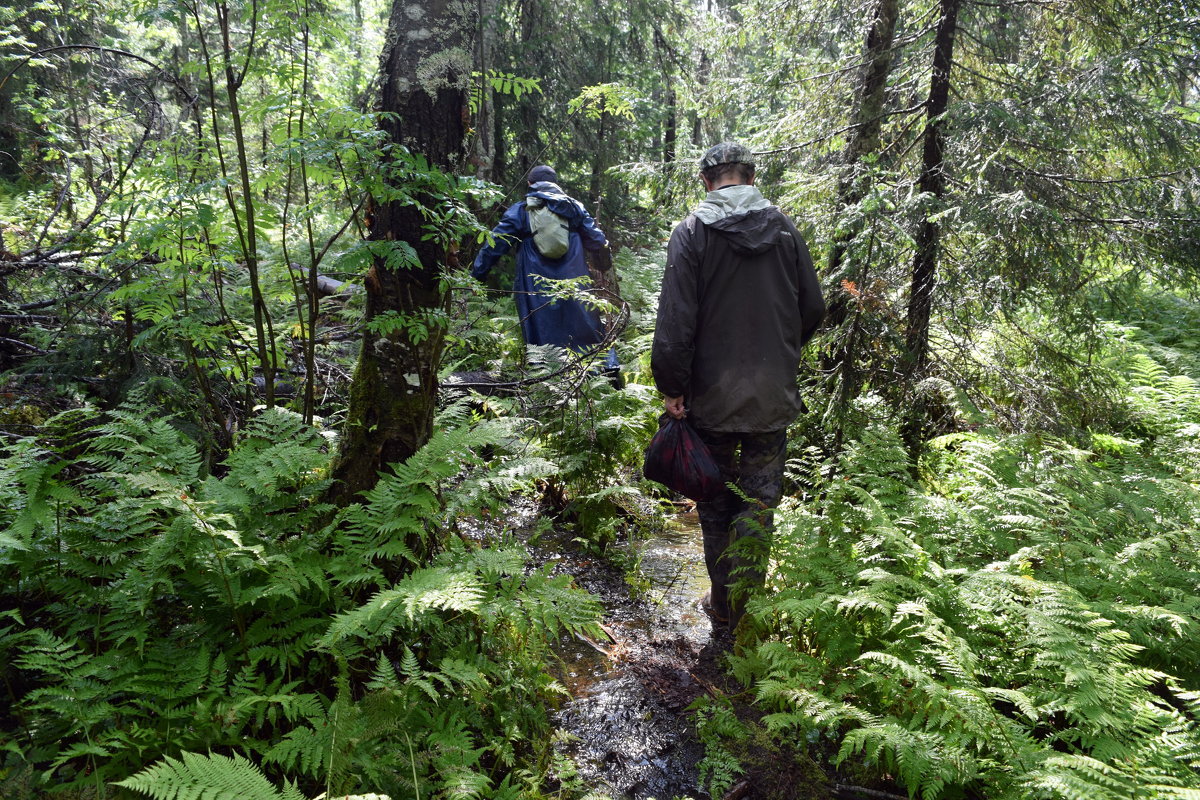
332 287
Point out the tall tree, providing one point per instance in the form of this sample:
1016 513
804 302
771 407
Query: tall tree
866 121
853 184
932 185
427 66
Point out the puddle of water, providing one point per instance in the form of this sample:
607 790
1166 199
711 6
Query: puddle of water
583 666
672 564
625 746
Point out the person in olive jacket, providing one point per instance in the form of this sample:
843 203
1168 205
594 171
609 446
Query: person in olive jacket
739 300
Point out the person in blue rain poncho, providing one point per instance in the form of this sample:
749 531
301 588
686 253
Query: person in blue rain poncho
545 320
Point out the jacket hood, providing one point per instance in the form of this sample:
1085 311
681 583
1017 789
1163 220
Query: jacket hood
736 212
731 201
556 200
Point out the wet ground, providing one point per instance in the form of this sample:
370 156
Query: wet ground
628 729
630 734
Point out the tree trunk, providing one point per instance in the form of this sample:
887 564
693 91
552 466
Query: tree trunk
701 84
500 156
599 159
482 147
10 140
932 186
7 354
392 399
529 141
600 152
844 358
670 132
867 121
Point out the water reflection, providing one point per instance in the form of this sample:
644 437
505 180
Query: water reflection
631 735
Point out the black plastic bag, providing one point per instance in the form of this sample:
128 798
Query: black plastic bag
678 459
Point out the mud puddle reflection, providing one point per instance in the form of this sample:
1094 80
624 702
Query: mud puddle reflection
629 733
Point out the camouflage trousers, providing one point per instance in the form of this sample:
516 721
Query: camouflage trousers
753 462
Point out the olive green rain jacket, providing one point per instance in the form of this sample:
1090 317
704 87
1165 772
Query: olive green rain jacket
739 300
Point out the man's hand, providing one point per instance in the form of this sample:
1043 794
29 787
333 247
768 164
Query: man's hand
675 407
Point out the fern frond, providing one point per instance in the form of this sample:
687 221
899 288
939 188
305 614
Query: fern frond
207 777
409 600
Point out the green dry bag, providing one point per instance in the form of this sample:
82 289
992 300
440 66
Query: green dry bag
551 235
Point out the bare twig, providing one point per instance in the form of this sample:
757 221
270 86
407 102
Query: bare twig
112 50
844 790
24 346
27 318
577 361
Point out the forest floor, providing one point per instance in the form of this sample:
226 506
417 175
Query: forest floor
630 724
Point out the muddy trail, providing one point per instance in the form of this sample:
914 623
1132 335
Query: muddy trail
625 725
629 731
628 727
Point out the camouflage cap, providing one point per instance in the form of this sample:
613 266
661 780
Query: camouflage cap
727 153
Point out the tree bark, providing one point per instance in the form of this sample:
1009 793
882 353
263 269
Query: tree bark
932 185
868 118
427 68
10 140
483 142
7 354
853 185
529 141
600 152
670 132
500 156
701 84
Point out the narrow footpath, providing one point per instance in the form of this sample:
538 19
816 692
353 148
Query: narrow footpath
628 728
630 733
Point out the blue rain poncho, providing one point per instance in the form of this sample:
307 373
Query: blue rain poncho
566 323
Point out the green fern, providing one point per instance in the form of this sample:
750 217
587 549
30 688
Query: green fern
1021 628
211 777
407 602
181 613
717 727
33 498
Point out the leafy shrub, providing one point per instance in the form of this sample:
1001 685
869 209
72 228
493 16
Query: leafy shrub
587 433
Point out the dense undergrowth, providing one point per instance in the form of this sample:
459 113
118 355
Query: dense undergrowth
177 628
1013 616
985 575
151 610
1016 617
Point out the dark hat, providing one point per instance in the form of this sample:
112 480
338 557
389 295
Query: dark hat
543 173
727 153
